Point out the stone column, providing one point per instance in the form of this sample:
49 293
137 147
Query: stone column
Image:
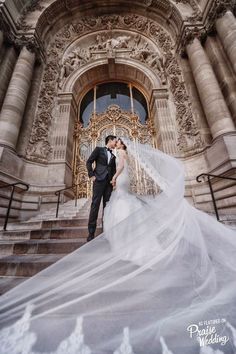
15 99
223 73
64 117
226 29
165 123
6 70
30 109
197 108
1 39
215 108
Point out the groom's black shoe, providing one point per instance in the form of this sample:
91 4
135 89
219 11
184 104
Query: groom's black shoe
90 238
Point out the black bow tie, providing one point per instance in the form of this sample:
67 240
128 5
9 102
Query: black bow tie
109 150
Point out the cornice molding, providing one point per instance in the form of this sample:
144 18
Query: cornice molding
18 38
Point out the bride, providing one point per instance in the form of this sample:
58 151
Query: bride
122 203
161 278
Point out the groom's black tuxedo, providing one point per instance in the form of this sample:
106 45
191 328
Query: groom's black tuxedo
103 168
102 188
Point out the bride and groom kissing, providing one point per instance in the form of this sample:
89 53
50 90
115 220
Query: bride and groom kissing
104 176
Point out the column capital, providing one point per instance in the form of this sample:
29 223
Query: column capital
20 35
220 7
67 98
218 10
189 33
32 44
159 93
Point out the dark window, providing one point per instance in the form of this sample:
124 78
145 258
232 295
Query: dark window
140 105
86 108
113 93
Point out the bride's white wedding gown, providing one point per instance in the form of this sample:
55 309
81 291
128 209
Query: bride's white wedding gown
159 269
121 205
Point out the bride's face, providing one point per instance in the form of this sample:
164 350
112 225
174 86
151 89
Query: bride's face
119 145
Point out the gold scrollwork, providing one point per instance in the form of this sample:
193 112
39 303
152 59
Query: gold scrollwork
113 121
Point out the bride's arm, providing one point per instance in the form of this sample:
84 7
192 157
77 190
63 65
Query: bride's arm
120 167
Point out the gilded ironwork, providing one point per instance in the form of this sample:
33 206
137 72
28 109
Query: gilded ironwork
113 121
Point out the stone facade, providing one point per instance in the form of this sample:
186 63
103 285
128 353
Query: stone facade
180 54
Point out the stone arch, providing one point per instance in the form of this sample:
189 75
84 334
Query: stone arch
69 98
48 17
123 70
189 138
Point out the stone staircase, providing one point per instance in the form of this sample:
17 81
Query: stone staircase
225 197
30 246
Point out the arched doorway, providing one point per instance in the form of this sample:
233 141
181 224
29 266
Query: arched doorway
141 85
116 108
123 56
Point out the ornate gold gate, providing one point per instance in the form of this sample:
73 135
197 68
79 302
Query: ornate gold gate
112 121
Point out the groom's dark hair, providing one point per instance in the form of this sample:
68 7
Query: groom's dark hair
109 137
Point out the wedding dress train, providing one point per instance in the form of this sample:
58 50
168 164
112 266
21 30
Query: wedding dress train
161 278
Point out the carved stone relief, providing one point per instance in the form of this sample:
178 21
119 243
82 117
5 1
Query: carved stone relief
218 10
197 14
188 35
107 39
121 44
34 5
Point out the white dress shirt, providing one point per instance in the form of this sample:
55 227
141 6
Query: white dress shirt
108 155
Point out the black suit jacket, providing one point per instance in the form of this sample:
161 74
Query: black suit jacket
103 168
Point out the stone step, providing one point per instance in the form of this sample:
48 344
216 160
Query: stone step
224 196
15 235
67 223
40 246
26 265
9 282
35 225
77 215
67 209
53 216
30 246
224 209
229 220
24 225
66 233
14 213
47 233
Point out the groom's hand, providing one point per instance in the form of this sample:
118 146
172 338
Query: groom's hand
93 178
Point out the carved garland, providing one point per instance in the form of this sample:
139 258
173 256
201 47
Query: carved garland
39 146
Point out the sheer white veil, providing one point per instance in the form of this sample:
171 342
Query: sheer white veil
175 267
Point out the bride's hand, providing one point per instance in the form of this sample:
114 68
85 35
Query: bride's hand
113 182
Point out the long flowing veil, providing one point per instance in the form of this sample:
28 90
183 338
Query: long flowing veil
172 277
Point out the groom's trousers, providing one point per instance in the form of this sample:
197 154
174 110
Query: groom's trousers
101 189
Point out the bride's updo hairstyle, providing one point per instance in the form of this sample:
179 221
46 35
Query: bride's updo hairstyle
123 144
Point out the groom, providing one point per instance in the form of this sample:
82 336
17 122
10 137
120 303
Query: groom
101 176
